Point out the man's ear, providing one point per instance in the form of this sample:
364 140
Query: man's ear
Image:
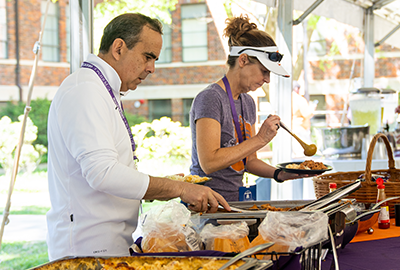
117 48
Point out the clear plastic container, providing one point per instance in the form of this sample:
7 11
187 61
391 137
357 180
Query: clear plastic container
365 106
388 104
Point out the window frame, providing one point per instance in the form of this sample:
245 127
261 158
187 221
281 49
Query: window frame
54 55
3 39
166 50
202 14
152 104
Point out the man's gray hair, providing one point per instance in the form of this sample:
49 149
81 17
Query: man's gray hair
127 27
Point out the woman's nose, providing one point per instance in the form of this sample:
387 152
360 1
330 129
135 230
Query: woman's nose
267 78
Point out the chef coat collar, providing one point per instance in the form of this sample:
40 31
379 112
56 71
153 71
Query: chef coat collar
109 73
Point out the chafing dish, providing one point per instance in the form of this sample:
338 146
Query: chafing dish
98 263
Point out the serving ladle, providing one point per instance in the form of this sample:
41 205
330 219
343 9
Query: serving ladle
309 149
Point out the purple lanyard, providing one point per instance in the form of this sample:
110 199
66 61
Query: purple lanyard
234 114
120 108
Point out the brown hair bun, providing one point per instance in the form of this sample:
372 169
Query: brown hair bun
236 28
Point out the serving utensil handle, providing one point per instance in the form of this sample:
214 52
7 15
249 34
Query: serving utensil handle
246 253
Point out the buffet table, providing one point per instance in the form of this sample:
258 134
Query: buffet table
304 188
380 250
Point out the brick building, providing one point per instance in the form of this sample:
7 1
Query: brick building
192 57
15 71
183 67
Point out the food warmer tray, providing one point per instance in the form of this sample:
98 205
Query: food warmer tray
254 214
93 263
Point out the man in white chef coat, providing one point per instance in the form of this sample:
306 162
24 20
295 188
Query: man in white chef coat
95 189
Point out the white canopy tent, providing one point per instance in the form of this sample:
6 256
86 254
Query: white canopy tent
378 19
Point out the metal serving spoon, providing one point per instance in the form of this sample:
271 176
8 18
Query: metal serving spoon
309 149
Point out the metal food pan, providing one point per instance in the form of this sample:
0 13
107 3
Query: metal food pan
254 214
94 263
277 203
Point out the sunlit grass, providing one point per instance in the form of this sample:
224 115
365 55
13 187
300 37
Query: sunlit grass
22 255
27 198
28 210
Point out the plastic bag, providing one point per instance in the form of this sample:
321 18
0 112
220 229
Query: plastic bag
226 238
295 229
167 228
374 176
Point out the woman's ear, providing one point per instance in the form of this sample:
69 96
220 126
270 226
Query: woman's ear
243 60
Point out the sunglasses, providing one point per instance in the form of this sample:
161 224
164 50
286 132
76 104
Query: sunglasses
273 56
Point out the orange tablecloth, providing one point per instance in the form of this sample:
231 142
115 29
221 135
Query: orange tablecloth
393 231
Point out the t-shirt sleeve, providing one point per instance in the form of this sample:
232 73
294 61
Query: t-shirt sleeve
207 104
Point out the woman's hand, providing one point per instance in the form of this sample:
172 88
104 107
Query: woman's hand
269 128
282 176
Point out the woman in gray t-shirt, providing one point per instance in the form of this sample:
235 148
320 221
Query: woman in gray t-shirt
223 116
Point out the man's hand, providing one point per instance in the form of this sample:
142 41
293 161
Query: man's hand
199 198
202 199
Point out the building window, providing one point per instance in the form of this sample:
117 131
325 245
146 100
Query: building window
187 104
194 33
159 108
68 30
3 29
50 41
166 51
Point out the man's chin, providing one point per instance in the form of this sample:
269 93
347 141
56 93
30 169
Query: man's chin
133 88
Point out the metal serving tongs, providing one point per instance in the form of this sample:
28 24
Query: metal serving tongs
332 196
383 201
240 210
246 253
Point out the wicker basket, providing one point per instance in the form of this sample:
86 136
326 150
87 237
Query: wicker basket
368 192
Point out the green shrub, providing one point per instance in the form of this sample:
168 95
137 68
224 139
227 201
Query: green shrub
9 139
38 114
163 147
134 119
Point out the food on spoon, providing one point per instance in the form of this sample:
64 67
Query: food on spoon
307 165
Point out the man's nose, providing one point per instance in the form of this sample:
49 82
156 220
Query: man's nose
151 68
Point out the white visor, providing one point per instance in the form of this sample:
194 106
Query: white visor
262 54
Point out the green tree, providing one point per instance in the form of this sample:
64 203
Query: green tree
107 10
153 8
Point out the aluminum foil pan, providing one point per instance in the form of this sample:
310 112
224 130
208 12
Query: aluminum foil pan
97 263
